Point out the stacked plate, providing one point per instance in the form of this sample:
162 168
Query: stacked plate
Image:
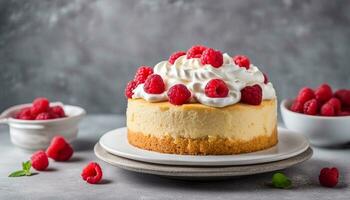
114 149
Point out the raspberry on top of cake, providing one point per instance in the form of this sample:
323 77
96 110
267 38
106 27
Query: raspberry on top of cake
202 75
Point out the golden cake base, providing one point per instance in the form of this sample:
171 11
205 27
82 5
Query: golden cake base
202 146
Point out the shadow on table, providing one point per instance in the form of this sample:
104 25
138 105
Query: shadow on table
83 144
304 177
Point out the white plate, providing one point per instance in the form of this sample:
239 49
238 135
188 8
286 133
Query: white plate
198 172
289 144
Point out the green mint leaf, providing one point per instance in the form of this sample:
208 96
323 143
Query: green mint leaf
26 166
279 180
18 173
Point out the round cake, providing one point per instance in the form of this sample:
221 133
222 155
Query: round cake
201 102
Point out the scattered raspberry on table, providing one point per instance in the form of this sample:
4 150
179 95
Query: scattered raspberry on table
39 160
92 173
59 149
329 177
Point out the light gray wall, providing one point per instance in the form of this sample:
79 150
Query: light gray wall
83 52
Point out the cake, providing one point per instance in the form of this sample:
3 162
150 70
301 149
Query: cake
201 102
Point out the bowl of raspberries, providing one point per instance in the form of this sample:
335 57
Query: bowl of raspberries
322 114
33 125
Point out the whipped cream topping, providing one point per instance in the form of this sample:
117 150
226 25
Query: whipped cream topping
195 75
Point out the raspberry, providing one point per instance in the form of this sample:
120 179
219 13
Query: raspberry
216 88
329 177
57 111
242 61
129 89
344 96
154 84
343 113
25 114
59 149
44 116
327 110
92 173
195 51
335 103
40 105
178 94
251 95
39 160
212 57
175 56
142 73
347 109
305 94
311 107
297 106
323 93
266 78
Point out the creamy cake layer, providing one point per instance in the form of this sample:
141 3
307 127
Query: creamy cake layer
238 122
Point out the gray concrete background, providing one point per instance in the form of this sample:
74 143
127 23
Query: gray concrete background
83 52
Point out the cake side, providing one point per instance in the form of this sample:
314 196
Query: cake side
201 129
201 146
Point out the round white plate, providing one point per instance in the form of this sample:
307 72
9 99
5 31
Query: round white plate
290 144
198 172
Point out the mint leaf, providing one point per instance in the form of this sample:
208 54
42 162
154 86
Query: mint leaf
25 170
18 173
26 165
279 180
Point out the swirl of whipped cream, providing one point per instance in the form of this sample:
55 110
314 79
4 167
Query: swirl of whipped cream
195 75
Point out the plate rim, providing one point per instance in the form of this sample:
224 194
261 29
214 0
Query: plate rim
165 161
198 172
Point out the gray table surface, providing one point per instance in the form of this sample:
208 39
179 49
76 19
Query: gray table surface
62 180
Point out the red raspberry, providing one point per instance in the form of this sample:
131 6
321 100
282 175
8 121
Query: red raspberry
216 88
344 96
142 73
212 57
92 173
44 116
242 61
57 111
323 93
59 149
327 110
195 51
343 113
175 56
40 105
129 89
39 160
266 78
251 95
347 109
329 177
25 114
297 106
154 84
335 103
305 94
311 107
179 94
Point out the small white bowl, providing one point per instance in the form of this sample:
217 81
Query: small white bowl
37 134
320 130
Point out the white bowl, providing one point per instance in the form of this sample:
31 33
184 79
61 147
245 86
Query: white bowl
320 130
37 134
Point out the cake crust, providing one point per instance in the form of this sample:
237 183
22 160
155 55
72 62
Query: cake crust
201 146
